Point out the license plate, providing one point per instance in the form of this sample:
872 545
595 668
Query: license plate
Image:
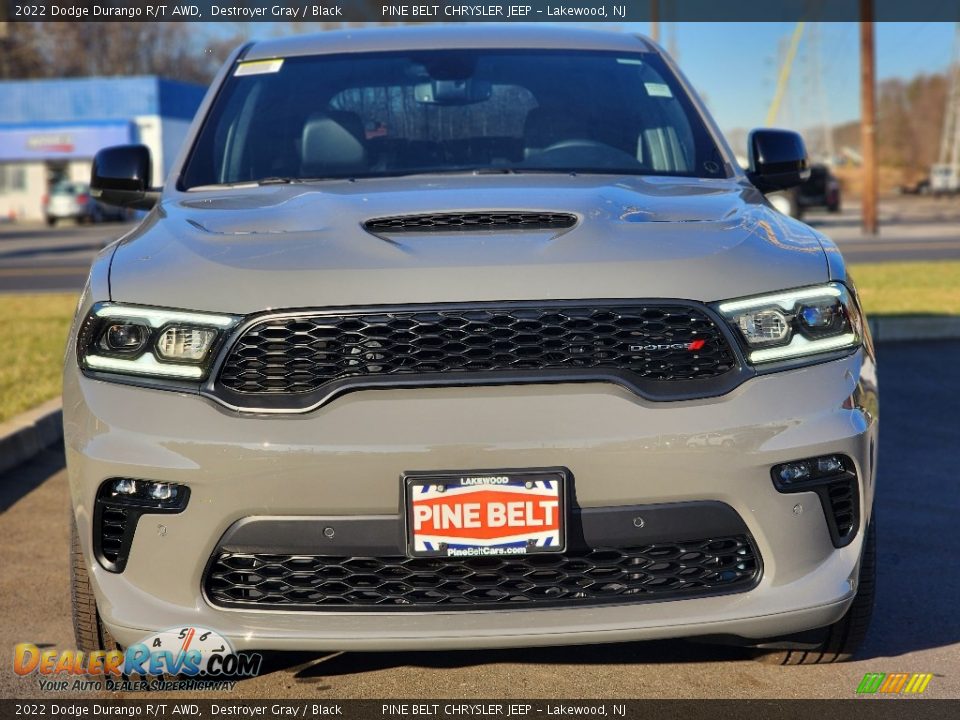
485 513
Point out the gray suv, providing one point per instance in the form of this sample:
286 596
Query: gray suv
464 337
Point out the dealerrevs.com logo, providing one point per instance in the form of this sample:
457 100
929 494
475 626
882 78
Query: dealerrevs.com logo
189 658
894 683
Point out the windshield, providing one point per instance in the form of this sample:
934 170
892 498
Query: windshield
382 114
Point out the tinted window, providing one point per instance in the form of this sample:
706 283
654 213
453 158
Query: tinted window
368 115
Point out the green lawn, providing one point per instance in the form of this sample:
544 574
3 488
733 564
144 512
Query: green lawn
909 288
34 332
34 327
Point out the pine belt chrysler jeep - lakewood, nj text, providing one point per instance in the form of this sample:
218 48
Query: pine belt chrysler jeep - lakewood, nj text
465 337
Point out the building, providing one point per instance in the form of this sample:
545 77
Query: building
51 129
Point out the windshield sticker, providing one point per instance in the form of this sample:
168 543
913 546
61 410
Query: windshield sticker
658 90
258 67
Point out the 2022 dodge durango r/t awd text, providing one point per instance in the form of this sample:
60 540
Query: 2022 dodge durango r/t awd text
468 337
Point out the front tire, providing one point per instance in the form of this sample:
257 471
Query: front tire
88 629
838 642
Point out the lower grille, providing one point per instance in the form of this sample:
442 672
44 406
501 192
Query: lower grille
574 578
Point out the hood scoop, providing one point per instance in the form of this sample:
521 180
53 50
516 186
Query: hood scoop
470 221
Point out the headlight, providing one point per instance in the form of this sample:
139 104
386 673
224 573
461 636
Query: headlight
137 340
795 323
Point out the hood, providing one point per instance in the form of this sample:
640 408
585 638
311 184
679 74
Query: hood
244 250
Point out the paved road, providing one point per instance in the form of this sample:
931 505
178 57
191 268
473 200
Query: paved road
35 258
916 626
41 259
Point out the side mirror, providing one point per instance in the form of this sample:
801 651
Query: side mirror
778 160
121 176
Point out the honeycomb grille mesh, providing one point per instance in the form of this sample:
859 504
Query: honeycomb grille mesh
442 222
590 576
652 342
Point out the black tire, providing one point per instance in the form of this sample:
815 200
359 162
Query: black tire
88 630
51 221
839 642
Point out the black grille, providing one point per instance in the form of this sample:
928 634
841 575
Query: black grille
114 523
608 575
647 342
471 221
844 507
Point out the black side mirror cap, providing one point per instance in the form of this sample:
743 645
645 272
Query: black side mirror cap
778 160
121 176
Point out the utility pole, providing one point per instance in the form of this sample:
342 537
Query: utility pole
868 119
655 20
946 175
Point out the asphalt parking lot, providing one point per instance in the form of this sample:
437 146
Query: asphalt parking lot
35 258
916 627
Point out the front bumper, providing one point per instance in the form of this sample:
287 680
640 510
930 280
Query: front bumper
345 459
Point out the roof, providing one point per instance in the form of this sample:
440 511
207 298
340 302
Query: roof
93 99
445 37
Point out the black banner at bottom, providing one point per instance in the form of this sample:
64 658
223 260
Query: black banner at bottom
175 709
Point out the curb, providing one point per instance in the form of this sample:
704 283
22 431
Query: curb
24 436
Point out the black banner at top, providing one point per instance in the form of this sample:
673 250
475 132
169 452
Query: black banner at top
405 11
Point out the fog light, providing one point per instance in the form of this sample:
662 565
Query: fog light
794 472
125 486
830 465
161 491
121 502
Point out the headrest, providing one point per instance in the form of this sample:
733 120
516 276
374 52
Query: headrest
333 144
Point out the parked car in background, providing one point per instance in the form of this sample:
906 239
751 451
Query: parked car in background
944 179
72 201
820 190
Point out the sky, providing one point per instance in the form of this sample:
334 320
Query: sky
734 66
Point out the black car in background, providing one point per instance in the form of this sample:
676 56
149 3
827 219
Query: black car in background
821 190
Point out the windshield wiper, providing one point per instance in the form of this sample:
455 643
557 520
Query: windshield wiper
279 181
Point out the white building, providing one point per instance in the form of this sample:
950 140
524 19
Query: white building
51 129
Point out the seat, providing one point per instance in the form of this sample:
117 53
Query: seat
333 143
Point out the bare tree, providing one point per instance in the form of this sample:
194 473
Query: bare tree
177 50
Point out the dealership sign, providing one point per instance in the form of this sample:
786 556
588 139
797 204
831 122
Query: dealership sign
64 141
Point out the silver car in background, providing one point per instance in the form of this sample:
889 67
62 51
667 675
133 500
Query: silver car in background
72 201
463 337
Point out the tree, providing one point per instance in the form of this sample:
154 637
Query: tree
176 50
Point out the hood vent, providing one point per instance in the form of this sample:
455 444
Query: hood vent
455 222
